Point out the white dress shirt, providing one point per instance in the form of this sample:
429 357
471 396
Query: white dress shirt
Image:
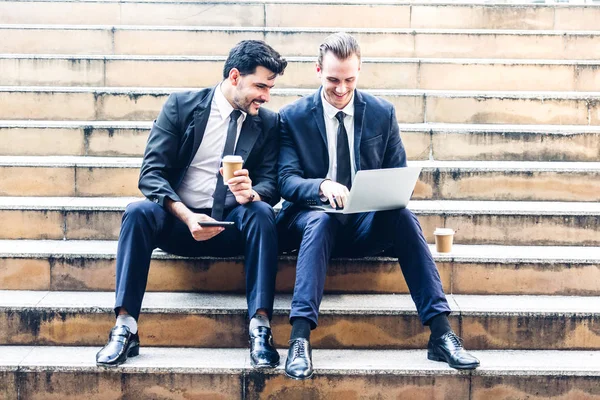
331 127
199 182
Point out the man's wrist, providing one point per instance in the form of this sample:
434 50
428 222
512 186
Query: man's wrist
321 187
180 211
322 196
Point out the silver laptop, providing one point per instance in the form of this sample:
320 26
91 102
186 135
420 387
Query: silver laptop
378 190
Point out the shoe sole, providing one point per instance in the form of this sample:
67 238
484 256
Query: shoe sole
461 366
298 378
132 352
264 366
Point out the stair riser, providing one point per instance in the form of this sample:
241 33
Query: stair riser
509 146
302 15
103 384
69 181
9 384
409 108
473 229
525 278
534 387
29 327
447 184
379 386
457 146
108 13
198 275
434 184
84 141
97 274
522 332
526 230
530 45
37 384
300 74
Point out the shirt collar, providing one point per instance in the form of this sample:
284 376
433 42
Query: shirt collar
331 111
223 105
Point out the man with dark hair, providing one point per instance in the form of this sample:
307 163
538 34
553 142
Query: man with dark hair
183 187
325 138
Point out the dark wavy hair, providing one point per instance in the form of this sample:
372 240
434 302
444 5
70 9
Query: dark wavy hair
249 54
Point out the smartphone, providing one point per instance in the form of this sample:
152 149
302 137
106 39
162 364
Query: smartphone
224 224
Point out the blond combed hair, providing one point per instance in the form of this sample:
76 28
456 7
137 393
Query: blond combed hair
341 44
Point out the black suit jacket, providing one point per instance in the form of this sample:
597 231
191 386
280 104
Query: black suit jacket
176 136
303 155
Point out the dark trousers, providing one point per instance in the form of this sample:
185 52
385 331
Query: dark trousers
319 235
147 226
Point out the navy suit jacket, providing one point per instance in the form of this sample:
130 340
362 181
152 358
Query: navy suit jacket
176 136
303 155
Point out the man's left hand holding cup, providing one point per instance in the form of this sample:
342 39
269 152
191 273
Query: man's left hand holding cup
241 187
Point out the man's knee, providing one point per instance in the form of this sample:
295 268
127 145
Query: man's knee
400 221
259 211
402 215
322 223
141 210
319 219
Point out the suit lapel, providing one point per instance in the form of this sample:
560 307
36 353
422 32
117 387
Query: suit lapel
201 115
317 112
248 136
359 116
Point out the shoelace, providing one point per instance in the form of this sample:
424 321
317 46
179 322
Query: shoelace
456 341
299 349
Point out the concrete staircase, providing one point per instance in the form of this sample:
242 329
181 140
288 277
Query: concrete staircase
498 102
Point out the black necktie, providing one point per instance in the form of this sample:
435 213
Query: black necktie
220 193
344 171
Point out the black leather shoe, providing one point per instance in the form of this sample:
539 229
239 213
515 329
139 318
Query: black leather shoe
262 351
121 344
449 349
298 364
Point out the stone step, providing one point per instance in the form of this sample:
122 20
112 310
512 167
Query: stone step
477 222
375 42
203 71
439 180
339 14
384 321
35 371
412 106
470 269
439 141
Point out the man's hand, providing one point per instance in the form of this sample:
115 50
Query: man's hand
336 193
241 186
199 233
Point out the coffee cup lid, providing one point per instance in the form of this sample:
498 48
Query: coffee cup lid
233 159
443 231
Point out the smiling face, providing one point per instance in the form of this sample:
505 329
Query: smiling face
338 78
252 90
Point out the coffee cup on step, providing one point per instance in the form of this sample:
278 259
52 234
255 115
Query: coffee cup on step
230 165
443 239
